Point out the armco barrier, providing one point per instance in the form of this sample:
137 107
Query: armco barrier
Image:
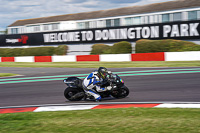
161 56
182 56
43 59
25 59
82 106
7 59
115 57
148 57
64 58
87 58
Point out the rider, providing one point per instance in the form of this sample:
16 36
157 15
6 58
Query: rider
95 80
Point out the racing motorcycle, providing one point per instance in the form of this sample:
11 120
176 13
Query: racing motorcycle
114 85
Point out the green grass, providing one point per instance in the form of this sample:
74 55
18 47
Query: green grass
138 120
7 74
105 64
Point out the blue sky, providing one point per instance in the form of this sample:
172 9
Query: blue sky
12 10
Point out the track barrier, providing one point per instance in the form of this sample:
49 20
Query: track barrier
160 56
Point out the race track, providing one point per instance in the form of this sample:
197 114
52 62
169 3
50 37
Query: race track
145 84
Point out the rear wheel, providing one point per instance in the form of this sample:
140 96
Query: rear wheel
73 94
120 93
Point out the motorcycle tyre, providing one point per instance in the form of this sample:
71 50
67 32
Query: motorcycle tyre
119 95
73 91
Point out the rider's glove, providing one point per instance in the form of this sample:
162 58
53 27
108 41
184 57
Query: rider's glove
105 83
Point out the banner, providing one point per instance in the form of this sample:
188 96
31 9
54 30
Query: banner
184 30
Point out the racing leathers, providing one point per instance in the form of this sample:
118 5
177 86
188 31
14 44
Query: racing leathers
92 81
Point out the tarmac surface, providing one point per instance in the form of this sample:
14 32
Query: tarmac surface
159 87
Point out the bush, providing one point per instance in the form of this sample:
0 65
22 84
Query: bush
61 50
37 51
2 52
9 52
117 48
168 45
192 48
99 49
108 50
121 48
18 52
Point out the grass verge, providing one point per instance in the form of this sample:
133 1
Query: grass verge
105 64
7 74
128 120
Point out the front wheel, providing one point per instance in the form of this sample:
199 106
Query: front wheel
73 94
120 93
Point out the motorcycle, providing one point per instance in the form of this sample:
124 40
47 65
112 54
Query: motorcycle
114 85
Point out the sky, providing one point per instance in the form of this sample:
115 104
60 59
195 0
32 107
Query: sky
13 10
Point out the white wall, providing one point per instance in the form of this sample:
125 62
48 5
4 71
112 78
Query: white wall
81 49
64 58
115 57
24 59
182 56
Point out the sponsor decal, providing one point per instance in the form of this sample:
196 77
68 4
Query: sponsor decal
23 40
